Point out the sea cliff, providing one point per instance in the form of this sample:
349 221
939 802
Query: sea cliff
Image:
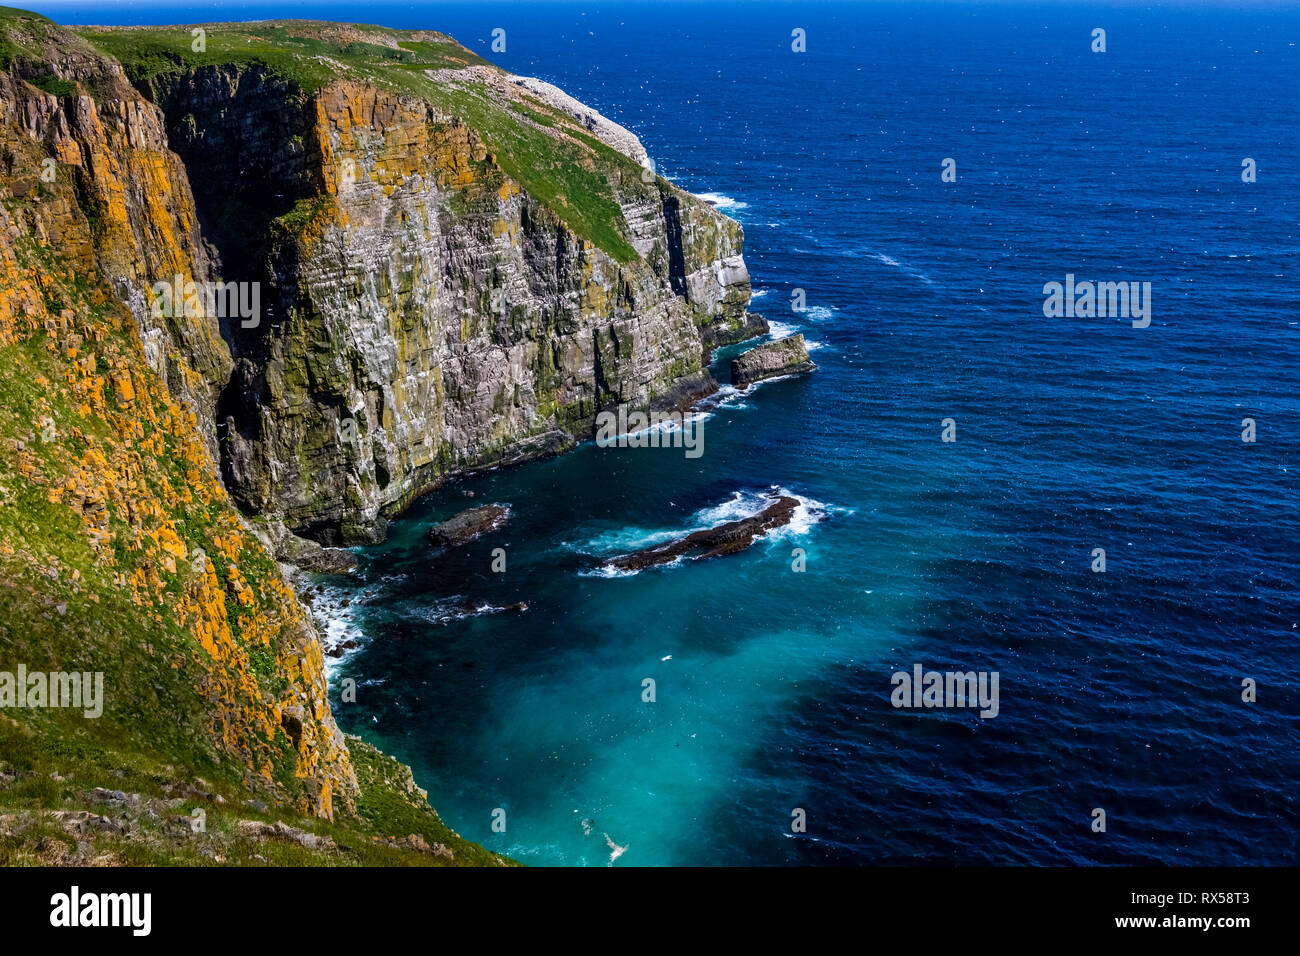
450 268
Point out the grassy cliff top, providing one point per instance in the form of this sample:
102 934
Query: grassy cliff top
309 53
552 155
547 151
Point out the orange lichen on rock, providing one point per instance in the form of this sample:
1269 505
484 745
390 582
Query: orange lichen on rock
121 453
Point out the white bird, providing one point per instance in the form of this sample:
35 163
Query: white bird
617 850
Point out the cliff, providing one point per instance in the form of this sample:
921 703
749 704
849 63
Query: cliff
448 267
456 271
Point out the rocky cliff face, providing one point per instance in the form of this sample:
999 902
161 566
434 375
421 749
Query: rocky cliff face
109 147
425 312
120 552
453 269
787 356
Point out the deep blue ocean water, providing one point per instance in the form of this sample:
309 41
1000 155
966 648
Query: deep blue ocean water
1118 690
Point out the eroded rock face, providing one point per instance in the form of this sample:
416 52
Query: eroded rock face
111 149
729 538
424 315
788 356
307 555
729 331
145 530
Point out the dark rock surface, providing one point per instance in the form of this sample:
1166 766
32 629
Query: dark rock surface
730 538
468 525
400 371
310 556
732 330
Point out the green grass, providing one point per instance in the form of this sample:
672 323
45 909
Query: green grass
154 737
442 54
303 212
22 31
55 86
161 688
296 51
549 167
39 779
568 170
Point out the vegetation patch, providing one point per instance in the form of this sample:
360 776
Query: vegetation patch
568 170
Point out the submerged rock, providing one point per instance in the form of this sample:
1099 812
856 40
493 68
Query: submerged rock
730 538
788 356
468 525
341 648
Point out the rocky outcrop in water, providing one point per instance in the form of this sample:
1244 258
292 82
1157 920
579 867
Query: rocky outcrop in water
730 538
729 331
307 555
788 356
468 525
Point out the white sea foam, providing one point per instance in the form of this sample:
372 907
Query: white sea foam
742 504
894 263
606 571
338 623
445 612
810 512
669 425
609 571
727 396
783 330
722 202
774 378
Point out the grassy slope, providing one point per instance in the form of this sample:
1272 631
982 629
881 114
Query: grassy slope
106 491
557 162
62 607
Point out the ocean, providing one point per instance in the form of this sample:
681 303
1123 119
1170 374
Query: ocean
923 301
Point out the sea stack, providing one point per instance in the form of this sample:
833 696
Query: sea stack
468 525
788 356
